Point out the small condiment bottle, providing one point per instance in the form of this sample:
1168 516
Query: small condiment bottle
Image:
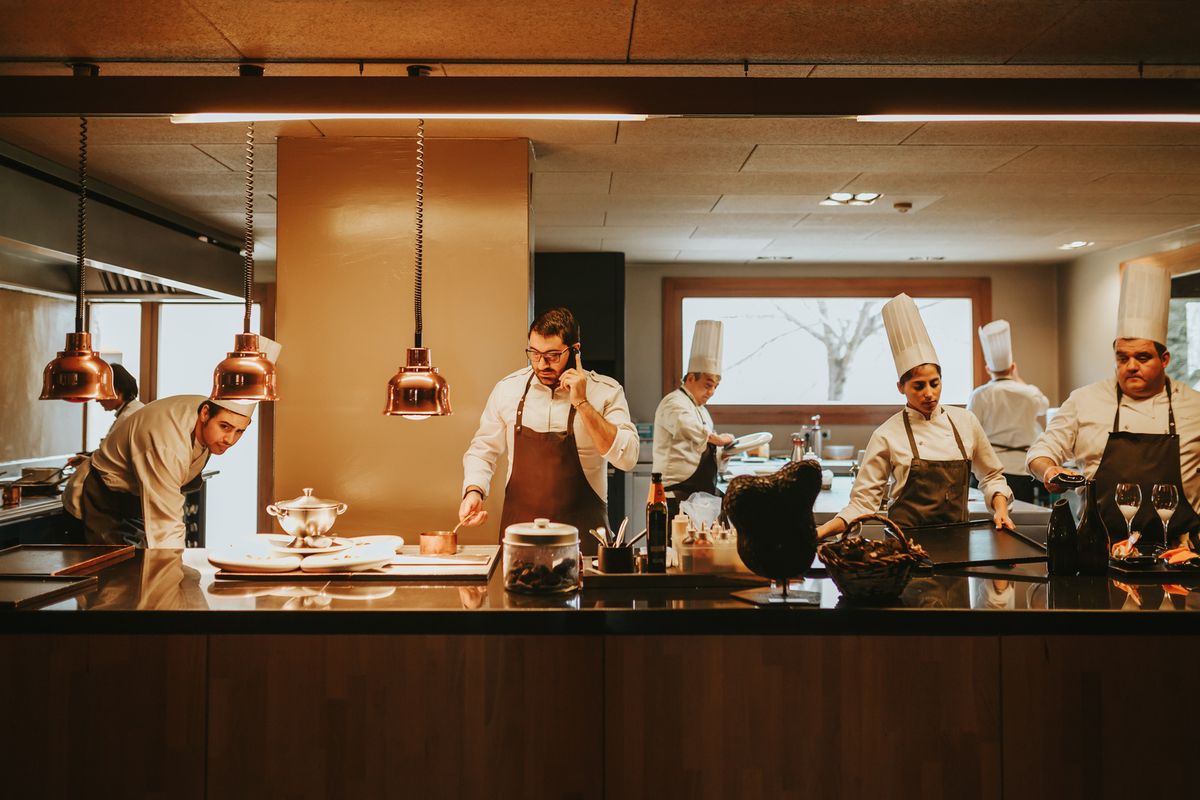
702 553
679 529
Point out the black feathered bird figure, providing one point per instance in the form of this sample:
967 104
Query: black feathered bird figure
773 514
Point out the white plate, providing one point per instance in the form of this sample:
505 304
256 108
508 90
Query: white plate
357 559
280 541
748 442
384 540
252 559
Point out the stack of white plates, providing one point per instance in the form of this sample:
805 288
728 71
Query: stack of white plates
356 559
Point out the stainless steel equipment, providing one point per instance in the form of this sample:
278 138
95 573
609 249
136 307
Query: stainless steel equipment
308 518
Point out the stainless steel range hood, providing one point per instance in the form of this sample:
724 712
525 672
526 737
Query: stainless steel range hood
136 249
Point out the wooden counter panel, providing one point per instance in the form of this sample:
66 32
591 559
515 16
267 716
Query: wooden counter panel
1100 716
802 717
118 715
405 716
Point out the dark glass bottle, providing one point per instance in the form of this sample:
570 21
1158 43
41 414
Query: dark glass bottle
656 525
1062 548
1092 536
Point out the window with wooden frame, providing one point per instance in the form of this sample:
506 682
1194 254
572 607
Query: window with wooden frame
795 347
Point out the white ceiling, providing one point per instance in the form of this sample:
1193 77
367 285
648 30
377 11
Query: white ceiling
716 190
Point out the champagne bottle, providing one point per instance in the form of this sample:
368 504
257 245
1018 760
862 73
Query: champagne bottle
1092 536
1062 548
656 525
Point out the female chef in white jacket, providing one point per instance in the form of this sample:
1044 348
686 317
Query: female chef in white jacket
928 449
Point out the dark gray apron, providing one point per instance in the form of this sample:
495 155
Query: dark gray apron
1144 459
112 517
548 481
703 479
936 491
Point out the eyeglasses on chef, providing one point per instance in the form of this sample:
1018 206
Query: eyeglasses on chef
551 357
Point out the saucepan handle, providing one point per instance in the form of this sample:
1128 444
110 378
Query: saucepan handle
341 509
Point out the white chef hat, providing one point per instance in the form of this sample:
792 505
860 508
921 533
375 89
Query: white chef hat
911 345
707 347
996 339
1145 303
271 349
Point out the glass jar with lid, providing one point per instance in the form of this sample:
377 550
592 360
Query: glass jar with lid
541 557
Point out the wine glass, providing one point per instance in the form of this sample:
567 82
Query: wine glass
1165 498
1129 500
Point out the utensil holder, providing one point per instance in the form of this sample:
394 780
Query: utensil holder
615 559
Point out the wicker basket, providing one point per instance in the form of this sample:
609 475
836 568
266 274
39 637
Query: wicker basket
880 579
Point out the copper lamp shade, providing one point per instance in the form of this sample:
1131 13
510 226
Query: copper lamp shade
417 391
246 374
78 374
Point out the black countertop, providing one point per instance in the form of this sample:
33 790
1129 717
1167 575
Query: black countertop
174 591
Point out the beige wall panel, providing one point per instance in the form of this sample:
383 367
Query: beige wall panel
1023 294
33 329
345 318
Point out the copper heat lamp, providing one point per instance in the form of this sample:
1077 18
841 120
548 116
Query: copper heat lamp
78 374
417 391
246 374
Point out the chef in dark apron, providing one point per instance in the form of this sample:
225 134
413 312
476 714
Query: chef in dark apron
1008 408
561 426
685 440
1140 428
927 450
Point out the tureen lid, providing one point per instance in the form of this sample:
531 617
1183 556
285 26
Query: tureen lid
541 531
307 501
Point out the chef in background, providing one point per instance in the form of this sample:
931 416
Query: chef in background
1008 408
685 440
561 427
1139 427
143 468
125 403
927 448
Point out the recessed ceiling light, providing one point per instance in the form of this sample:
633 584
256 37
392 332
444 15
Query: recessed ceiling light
850 199
773 258
1074 245
926 258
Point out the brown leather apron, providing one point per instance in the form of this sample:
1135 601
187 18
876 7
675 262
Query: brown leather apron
1144 459
936 491
702 479
548 481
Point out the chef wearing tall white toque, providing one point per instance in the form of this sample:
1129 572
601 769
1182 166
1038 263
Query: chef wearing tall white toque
685 440
1008 408
928 449
1138 427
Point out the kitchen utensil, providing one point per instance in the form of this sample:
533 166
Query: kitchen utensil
637 538
439 542
12 494
748 442
621 532
596 535
308 518
1069 481
541 557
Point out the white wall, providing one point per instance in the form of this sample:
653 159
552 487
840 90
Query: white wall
1025 295
1090 289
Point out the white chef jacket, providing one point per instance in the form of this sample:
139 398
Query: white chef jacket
151 454
888 453
1079 431
546 411
73 492
1008 410
681 431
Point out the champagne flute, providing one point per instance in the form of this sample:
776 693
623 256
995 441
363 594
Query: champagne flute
1165 498
1129 500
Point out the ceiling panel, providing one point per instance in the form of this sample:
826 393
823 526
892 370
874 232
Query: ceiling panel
729 182
1106 31
880 158
573 219
553 157
991 183
764 130
635 203
1143 183
571 183
818 31
466 29
745 222
810 204
1107 159
1059 133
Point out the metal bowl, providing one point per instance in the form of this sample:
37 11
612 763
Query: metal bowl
307 517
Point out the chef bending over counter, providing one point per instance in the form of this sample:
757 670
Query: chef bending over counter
928 449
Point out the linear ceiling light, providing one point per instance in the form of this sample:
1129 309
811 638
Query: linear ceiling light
1192 118
257 117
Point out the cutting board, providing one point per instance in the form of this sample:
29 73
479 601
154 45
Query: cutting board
448 568
973 544
22 591
61 559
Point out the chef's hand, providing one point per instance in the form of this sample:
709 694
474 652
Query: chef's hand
1000 515
721 439
575 380
1049 475
470 510
76 460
